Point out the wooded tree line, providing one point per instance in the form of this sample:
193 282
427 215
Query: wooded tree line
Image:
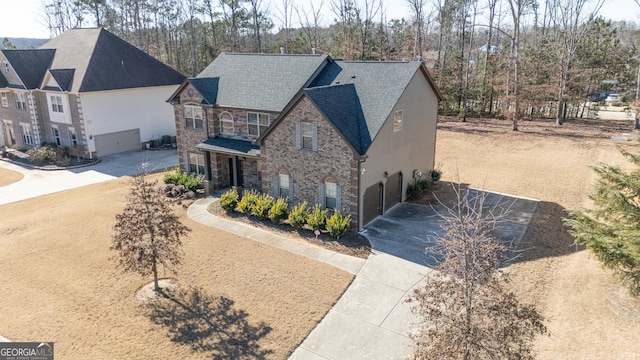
517 58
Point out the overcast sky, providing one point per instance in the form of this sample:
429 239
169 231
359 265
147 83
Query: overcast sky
23 18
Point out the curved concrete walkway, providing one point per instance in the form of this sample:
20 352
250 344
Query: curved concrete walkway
371 320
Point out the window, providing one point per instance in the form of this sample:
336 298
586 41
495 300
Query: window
307 136
56 136
21 101
27 139
4 99
283 180
397 121
56 103
257 123
73 138
226 123
330 195
193 117
6 67
196 163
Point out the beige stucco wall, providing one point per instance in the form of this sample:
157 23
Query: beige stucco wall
409 149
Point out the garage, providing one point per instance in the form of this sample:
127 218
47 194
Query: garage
393 190
117 142
371 203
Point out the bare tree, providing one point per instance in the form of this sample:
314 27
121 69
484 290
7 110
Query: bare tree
310 22
147 233
417 10
468 313
284 15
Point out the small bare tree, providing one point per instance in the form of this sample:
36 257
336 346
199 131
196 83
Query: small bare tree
147 232
468 313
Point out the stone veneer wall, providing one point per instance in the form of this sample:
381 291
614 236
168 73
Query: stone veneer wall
187 140
308 169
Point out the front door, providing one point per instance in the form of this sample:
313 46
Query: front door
236 177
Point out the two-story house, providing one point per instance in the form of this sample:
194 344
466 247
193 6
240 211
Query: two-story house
86 90
346 135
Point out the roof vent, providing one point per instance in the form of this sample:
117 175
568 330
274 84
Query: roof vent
281 51
353 76
337 82
122 62
313 51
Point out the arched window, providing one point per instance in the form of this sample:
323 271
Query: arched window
226 123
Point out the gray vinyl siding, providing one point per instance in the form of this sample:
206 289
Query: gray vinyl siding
411 148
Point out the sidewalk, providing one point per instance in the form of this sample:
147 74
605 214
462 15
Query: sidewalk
371 320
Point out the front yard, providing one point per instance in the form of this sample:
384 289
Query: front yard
9 177
58 284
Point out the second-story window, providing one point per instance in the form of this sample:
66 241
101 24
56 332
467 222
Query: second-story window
4 99
257 123
193 117
226 123
56 103
21 101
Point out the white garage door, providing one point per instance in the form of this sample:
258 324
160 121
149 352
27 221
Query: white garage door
118 142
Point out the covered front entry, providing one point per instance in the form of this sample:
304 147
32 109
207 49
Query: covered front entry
9 135
393 191
371 203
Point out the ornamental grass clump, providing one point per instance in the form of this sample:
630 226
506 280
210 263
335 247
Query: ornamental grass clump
338 224
317 218
279 211
298 215
229 200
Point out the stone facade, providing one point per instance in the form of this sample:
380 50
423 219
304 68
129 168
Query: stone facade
219 171
333 160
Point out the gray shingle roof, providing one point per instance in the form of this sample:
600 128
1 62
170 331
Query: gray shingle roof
230 146
64 78
30 65
340 104
3 81
378 85
103 61
208 88
261 81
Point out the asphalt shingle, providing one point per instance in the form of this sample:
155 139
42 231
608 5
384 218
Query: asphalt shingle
261 81
30 65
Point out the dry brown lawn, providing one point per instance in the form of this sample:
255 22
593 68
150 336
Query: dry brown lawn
58 284
9 177
567 284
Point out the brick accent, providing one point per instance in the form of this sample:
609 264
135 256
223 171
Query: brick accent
308 168
17 116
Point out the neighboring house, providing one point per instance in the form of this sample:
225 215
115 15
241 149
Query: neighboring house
86 90
346 135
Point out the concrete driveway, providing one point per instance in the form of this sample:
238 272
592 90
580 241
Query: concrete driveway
407 229
41 182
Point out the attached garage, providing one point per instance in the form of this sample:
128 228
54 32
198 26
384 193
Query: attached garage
371 203
117 142
393 190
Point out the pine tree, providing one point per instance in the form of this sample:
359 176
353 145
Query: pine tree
612 229
147 233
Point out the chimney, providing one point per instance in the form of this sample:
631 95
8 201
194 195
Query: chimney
313 51
281 51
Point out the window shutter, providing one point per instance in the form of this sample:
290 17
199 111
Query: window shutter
290 189
314 129
321 199
276 187
298 136
338 197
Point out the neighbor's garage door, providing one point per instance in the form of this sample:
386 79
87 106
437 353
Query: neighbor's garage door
393 191
372 203
118 142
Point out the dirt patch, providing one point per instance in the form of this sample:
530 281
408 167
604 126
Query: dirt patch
9 177
550 164
351 243
147 293
59 284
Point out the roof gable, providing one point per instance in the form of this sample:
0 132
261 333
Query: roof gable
340 104
63 77
208 88
261 81
103 61
29 65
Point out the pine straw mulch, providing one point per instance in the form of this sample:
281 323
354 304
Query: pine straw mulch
351 243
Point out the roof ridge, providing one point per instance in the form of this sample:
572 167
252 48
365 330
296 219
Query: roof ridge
273 54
